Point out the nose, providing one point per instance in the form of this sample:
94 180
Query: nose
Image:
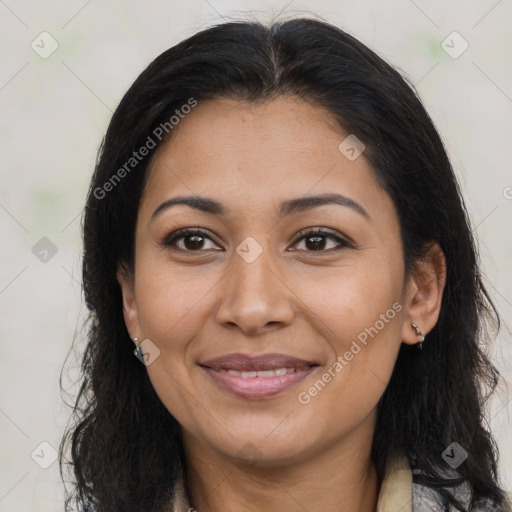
255 297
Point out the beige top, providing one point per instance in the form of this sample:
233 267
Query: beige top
395 492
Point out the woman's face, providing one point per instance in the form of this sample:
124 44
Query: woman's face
321 316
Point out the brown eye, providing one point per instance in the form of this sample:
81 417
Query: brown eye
188 240
317 241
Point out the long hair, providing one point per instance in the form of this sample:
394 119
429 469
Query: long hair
122 444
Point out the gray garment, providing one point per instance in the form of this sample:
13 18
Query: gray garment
426 499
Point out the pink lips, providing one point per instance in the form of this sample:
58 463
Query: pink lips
257 377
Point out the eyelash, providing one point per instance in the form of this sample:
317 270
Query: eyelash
170 241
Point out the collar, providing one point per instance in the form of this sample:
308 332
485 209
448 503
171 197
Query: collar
396 488
395 491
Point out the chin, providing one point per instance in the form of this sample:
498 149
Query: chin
262 450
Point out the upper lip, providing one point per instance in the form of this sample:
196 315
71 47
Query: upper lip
245 363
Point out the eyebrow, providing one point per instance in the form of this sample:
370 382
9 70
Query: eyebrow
300 204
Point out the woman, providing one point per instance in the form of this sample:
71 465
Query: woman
286 306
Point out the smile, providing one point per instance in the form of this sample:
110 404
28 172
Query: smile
261 374
257 377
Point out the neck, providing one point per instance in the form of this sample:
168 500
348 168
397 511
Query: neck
341 479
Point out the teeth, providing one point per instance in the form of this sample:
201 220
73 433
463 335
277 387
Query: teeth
261 374
267 373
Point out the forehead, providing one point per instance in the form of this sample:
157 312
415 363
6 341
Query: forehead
256 154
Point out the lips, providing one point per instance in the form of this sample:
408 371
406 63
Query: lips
245 363
257 377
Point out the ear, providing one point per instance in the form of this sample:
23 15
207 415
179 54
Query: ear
126 281
423 294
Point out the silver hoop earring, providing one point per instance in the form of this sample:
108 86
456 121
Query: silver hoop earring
420 334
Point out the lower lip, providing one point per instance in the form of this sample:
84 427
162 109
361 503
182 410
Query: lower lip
257 387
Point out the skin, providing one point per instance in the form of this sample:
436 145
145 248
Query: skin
292 299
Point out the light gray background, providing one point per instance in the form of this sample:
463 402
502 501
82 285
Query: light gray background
55 110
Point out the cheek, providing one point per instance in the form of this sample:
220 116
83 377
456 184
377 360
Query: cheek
354 299
359 314
361 321
170 314
169 302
